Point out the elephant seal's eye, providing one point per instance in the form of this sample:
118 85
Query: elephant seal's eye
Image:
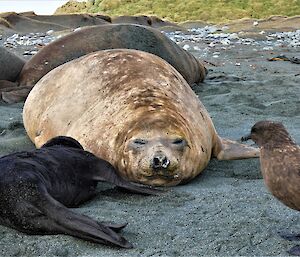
139 141
179 141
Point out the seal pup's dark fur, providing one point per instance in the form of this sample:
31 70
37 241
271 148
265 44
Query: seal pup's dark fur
36 187
280 165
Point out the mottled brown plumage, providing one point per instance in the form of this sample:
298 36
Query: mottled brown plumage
280 165
280 161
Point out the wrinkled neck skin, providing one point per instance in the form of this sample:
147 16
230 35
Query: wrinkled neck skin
156 151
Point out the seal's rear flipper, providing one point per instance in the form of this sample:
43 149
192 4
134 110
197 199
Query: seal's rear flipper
225 149
15 95
7 85
60 219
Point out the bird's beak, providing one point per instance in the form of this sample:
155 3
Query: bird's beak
246 138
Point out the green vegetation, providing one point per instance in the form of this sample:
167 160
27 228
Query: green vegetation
178 10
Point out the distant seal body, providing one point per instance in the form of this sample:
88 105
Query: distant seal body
280 161
10 68
95 38
10 65
23 24
144 20
71 20
132 109
36 187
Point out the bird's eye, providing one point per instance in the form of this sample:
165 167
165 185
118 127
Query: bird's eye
253 130
140 141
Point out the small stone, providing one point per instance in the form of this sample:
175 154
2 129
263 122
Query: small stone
268 48
77 29
255 23
234 36
49 32
225 42
224 28
186 47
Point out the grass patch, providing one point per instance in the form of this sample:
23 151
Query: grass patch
177 10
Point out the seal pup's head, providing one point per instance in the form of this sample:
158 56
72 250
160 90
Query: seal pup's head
154 152
268 133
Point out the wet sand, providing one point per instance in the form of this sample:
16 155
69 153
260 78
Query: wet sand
226 211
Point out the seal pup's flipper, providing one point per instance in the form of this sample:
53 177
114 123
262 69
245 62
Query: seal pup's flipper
59 219
225 149
107 173
124 184
114 226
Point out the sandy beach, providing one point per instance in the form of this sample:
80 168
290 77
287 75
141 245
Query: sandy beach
226 211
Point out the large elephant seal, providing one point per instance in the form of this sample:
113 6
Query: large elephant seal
132 109
112 36
36 187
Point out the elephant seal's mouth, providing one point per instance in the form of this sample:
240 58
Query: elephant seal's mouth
160 175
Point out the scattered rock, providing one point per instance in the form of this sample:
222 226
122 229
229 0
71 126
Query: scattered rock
295 60
209 35
31 39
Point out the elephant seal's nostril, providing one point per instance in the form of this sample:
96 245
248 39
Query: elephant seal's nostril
160 161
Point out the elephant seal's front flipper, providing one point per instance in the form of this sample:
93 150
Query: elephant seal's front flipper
63 220
226 149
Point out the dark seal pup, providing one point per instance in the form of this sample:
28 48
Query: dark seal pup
280 165
36 187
